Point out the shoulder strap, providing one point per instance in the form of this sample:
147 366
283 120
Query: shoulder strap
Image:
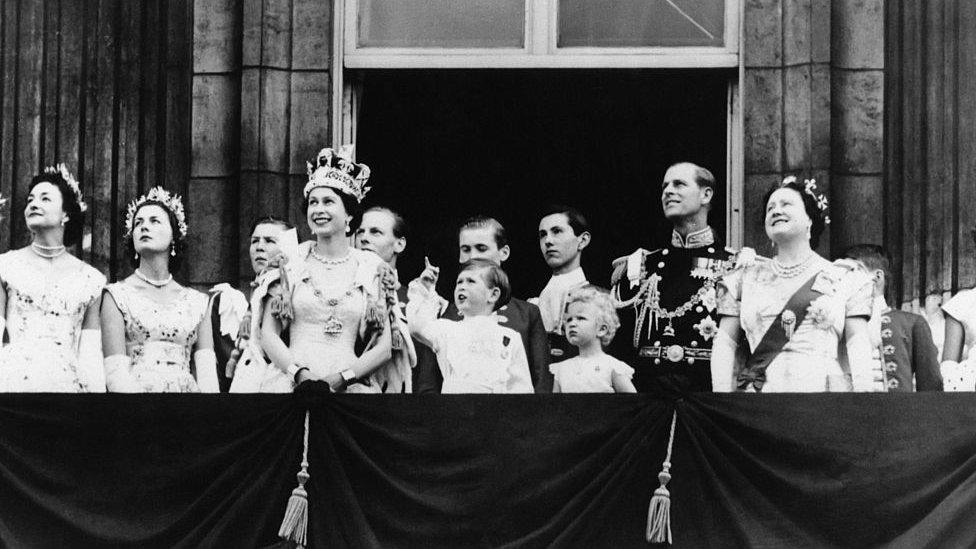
776 337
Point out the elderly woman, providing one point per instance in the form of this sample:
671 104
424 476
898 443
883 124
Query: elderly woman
333 298
799 311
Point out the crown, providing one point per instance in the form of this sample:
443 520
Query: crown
62 170
810 188
338 171
171 202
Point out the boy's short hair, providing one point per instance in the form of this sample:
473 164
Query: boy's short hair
575 218
485 222
600 298
494 277
873 256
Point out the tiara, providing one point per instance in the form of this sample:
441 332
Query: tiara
62 170
337 170
171 202
810 188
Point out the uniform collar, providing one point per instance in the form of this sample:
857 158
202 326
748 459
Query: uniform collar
697 239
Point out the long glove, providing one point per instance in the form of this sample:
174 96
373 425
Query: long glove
860 362
723 363
90 360
206 365
118 375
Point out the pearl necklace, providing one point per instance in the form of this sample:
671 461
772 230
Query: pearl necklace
792 271
327 261
47 252
152 282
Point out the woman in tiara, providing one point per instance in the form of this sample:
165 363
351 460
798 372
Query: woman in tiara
151 325
799 311
50 298
333 297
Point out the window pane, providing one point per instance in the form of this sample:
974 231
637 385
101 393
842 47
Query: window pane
442 23
641 23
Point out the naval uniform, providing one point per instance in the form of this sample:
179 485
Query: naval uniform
666 302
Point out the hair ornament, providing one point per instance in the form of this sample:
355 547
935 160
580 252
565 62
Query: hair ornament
338 171
171 202
810 188
62 170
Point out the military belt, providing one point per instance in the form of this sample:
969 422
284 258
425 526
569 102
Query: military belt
675 353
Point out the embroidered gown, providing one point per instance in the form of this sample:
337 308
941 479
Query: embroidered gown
159 337
44 321
757 295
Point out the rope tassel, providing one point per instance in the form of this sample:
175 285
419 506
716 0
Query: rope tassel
659 510
294 525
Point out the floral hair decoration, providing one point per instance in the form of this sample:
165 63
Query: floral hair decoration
171 202
62 170
810 188
337 170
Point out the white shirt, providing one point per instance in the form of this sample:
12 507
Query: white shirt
552 299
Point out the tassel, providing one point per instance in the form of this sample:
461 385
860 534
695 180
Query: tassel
294 525
659 510
281 304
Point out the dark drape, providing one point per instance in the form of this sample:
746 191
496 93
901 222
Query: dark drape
485 471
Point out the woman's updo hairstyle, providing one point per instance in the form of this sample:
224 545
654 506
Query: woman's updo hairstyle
75 225
814 203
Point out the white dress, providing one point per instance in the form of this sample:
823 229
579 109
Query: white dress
962 307
44 319
757 295
159 337
589 375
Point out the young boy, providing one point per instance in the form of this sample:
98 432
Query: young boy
475 354
905 358
590 322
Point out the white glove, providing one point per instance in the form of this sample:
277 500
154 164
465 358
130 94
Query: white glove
118 376
206 365
958 376
860 361
723 363
90 363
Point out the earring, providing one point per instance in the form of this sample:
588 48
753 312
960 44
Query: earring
172 250
136 256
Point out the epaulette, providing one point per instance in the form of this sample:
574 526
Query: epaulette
619 265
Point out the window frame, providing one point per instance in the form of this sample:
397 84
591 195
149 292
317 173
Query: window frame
540 48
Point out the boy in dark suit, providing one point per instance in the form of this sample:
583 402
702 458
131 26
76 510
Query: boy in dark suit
905 356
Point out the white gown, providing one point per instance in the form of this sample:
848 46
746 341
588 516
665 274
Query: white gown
159 337
44 320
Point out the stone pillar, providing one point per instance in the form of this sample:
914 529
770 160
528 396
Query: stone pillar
211 200
285 106
857 122
786 93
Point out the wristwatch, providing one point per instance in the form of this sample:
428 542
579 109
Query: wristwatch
348 377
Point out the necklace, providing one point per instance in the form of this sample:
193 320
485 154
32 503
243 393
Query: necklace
47 252
326 261
332 325
152 282
791 271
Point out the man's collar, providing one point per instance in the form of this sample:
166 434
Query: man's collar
697 239
574 275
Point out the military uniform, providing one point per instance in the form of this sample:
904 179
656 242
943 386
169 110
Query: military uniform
666 303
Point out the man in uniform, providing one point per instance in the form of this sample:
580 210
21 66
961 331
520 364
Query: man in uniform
666 298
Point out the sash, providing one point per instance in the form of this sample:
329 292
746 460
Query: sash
775 338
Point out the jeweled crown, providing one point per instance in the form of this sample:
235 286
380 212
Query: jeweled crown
62 170
810 188
337 170
171 202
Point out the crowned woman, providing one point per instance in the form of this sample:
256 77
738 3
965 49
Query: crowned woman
50 298
801 314
333 298
156 333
